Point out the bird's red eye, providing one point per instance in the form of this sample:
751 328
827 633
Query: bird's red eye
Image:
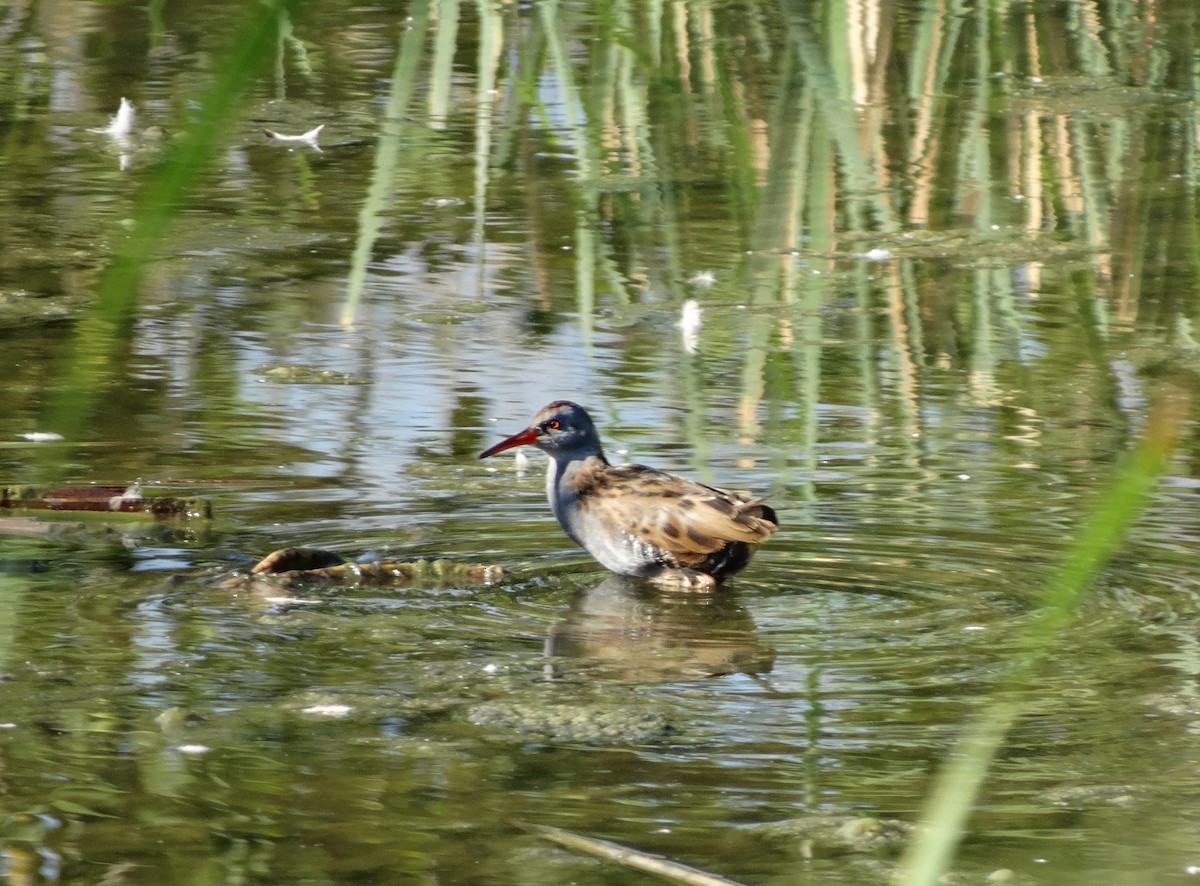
553 424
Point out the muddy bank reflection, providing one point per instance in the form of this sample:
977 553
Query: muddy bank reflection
629 630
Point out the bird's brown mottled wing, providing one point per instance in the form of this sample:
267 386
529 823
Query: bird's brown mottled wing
681 517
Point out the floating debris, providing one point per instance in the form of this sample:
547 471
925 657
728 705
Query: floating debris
294 374
877 254
521 462
1084 797
632 858
328 710
121 125
821 835
120 130
131 497
286 601
112 499
585 723
690 319
305 138
703 279
289 568
43 437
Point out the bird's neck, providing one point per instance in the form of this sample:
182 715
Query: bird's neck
561 482
564 465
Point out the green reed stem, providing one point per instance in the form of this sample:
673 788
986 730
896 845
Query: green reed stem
106 329
957 784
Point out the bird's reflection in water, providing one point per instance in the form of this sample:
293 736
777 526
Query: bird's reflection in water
627 629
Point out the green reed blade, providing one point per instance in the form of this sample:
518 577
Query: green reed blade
104 332
956 786
383 174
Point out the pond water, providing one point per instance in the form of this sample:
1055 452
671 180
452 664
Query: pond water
946 258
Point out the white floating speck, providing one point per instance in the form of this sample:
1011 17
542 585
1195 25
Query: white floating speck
974 628
291 601
964 476
520 461
132 493
8 725
42 437
690 319
328 710
490 668
121 125
703 279
305 138
876 254
193 749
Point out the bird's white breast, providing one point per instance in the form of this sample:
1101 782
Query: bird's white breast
613 546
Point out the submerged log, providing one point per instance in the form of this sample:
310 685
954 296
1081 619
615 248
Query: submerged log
296 559
304 567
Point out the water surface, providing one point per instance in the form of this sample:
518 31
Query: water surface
947 264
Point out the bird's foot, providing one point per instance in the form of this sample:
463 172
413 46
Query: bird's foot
684 580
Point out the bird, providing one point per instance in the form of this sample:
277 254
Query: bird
636 520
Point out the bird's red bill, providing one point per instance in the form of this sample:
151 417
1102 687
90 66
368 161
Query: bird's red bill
524 438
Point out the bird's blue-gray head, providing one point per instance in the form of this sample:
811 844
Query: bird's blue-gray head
562 430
